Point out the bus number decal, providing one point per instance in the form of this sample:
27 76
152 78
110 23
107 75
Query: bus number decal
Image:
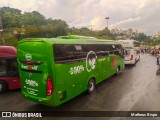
31 83
100 60
76 69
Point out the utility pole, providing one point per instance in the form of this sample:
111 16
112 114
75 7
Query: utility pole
107 18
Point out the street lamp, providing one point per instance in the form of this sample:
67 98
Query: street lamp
107 23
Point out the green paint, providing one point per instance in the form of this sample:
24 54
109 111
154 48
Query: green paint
69 73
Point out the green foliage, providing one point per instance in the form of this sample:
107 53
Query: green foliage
105 34
102 34
154 42
82 31
10 39
141 37
10 17
33 24
33 19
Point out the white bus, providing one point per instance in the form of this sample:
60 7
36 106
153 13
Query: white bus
132 51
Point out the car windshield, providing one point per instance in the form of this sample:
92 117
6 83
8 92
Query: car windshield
8 67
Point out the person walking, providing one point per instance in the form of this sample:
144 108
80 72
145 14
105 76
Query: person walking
158 63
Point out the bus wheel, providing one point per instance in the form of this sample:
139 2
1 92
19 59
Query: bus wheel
3 86
91 85
117 71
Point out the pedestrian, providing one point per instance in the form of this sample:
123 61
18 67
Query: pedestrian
158 63
158 58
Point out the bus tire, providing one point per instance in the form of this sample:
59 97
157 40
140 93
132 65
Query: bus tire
118 70
3 86
91 85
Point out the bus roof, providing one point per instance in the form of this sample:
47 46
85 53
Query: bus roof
7 51
129 43
129 40
70 40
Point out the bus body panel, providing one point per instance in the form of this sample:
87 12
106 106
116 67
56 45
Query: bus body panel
8 67
12 82
69 77
132 51
33 67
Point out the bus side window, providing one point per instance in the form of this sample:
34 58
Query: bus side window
79 52
110 49
58 53
70 52
12 69
101 50
2 68
116 52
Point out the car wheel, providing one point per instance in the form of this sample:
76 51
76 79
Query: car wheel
91 85
3 86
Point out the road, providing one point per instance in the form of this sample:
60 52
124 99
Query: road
137 88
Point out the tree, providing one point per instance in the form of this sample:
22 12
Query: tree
10 17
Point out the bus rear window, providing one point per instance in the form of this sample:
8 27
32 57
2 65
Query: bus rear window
71 53
126 52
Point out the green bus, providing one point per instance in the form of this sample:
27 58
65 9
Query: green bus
55 70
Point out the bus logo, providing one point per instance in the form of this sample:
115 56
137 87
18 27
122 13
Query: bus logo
28 56
91 61
30 74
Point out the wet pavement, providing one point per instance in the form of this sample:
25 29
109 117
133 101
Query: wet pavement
137 88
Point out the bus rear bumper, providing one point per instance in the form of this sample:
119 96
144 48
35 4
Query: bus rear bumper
45 101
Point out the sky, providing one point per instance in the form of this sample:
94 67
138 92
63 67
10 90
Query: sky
142 15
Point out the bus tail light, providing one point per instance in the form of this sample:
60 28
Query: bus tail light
131 57
49 86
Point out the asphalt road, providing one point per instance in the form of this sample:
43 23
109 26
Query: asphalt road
137 88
